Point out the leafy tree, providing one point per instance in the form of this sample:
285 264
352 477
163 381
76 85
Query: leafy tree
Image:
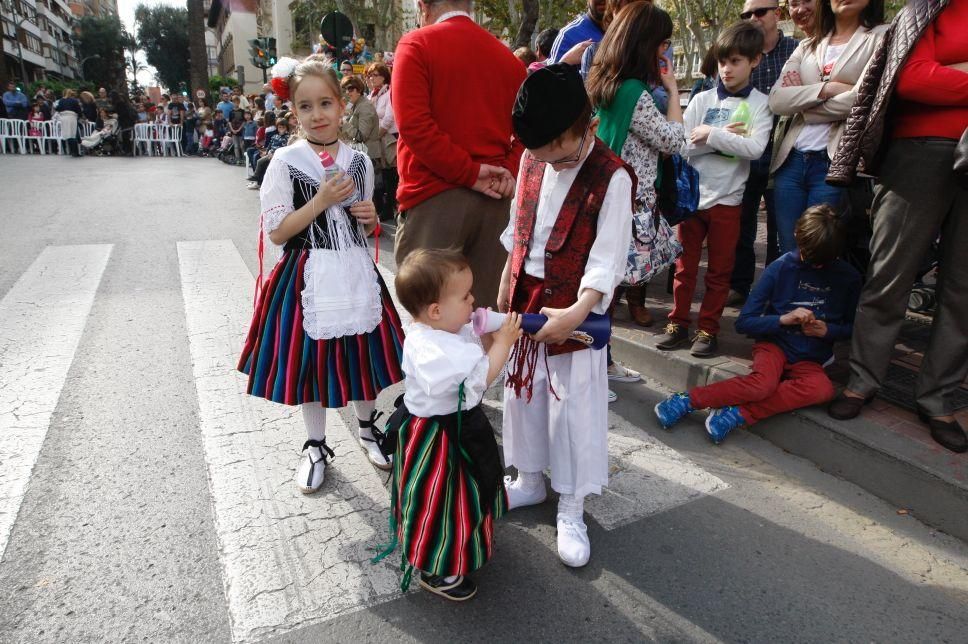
519 20
102 41
697 23
163 35
216 83
306 15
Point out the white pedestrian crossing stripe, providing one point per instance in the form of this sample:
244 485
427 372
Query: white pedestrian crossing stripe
42 319
288 559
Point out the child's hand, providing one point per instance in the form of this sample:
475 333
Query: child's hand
700 134
558 328
797 317
738 128
815 329
365 212
336 190
509 332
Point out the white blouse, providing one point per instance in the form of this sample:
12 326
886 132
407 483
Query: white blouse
435 363
605 268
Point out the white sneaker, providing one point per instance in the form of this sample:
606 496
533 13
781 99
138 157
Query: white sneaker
373 451
312 469
612 396
253 185
574 548
520 495
618 372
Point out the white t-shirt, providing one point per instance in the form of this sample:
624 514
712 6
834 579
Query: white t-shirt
814 136
435 364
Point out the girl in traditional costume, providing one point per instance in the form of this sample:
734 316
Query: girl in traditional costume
447 486
325 332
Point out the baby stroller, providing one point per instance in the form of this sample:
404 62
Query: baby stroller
108 146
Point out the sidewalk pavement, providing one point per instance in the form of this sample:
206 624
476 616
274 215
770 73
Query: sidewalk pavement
886 451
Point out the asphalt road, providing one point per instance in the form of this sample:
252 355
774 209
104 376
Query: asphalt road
143 497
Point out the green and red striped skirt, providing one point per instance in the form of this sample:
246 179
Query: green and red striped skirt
287 366
447 490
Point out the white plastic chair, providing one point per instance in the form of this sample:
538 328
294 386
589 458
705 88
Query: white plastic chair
15 131
143 136
85 128
170 137
50 135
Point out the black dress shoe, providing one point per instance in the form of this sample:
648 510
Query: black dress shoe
845 407
459 590
948 434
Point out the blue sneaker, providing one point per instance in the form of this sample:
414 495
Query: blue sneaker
673 409
722 421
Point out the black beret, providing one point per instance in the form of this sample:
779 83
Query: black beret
549 102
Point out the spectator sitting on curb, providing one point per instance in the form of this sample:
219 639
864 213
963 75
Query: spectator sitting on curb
802 304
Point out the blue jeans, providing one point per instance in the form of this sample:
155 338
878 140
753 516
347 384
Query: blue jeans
799 184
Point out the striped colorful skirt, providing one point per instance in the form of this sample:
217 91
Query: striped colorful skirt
287 366
447 490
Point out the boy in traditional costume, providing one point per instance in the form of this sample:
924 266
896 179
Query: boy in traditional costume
568 240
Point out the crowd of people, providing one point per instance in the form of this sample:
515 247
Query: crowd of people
556 181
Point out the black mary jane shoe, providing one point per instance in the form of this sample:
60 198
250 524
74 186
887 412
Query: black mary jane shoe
459 590
948 434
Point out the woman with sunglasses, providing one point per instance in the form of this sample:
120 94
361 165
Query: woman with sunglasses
818 87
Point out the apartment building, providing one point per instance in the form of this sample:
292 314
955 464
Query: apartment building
37 39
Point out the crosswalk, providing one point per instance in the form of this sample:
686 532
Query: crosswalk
287 560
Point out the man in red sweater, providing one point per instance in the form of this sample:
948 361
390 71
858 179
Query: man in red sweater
453 88
920 194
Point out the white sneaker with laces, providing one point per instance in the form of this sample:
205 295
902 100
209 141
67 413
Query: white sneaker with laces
312 470
520 494
612 396
253 185
618 372
574 549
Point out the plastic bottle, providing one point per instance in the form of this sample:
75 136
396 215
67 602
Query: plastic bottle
742 115
330 170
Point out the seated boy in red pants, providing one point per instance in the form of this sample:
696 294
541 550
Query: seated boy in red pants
803 303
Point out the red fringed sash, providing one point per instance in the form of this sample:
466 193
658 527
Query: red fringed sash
524 356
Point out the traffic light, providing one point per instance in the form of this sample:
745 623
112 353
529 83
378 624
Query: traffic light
271 51
257 53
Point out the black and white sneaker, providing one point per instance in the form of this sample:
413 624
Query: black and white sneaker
312 470
458 590
371 439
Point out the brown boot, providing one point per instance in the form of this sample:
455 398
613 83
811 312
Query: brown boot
635 296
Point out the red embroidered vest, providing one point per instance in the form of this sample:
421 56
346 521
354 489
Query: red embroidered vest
574 231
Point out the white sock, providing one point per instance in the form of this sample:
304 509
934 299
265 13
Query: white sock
364 410
314 415
571 506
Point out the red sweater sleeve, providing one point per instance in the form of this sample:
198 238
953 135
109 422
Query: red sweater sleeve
411 109
925 80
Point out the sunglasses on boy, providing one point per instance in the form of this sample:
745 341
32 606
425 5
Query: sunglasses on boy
759 13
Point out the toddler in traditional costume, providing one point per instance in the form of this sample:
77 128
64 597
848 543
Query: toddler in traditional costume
325 332
447 486
568 240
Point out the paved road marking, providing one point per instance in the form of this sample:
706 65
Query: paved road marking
42 319
288 559
645 477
